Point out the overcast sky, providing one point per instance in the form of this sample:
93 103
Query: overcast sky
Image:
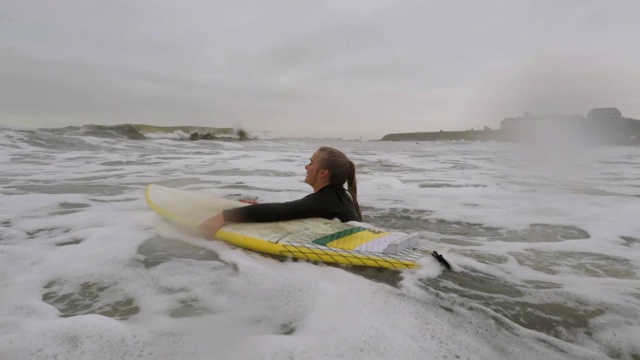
339 68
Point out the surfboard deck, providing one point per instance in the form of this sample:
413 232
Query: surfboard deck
312 239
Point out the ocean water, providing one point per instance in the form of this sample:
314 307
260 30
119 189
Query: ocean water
544 243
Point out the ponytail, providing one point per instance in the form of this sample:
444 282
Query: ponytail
352 188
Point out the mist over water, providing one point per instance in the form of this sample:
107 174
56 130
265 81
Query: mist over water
543 238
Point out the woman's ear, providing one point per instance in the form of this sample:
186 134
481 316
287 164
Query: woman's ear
324 173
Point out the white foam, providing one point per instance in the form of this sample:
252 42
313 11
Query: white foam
238 304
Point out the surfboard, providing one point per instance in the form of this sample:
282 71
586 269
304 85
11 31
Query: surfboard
314 239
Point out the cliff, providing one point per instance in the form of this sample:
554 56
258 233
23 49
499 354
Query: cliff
469 135
601 126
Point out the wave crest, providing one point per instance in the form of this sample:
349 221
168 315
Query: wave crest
141 132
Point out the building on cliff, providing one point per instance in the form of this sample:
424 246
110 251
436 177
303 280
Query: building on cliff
604 114
602 125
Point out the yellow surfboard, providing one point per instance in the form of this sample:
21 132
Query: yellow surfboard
310 239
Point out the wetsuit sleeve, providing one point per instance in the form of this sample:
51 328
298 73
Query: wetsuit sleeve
299 209
329 202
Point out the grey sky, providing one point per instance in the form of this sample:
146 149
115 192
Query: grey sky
315 68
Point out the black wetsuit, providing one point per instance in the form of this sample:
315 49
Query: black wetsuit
330 202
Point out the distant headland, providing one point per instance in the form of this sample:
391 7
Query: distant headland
600 126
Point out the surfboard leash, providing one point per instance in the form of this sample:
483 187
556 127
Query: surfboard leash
441 259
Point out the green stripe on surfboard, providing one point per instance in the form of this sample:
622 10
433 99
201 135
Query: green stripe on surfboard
325 240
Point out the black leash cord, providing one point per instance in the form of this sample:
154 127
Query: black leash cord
441 260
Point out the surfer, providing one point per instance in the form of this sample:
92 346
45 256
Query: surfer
327 172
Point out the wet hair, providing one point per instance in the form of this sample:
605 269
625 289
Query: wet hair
341 170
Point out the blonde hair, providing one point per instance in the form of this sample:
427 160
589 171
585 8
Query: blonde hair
341 170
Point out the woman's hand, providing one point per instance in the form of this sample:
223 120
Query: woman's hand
248 201
209 227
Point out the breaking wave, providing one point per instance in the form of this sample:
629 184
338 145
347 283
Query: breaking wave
141 132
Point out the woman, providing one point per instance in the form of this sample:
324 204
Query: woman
328 170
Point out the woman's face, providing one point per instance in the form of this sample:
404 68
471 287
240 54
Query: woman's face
313 170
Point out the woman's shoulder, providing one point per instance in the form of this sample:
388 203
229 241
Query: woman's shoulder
332 192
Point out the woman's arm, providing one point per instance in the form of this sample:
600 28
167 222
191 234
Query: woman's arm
306 207
210 227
